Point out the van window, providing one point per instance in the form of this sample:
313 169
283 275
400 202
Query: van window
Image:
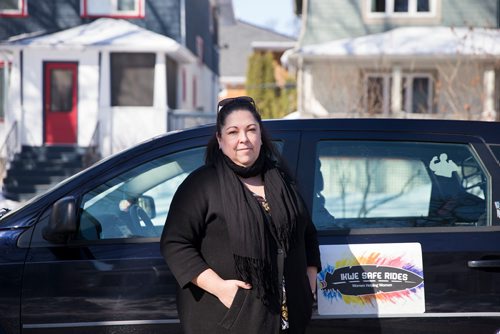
135 204
397 184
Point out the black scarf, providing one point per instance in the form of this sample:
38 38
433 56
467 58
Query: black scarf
249 236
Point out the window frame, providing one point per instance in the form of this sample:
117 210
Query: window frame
411 13
406 90
495 150
21 12
138 13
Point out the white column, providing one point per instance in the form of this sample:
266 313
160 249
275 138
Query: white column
396 102
105 116
160 82
160 87
5 127
6 63
489 112
300 86
307 95
13 107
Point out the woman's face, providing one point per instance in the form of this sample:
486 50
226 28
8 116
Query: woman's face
240 138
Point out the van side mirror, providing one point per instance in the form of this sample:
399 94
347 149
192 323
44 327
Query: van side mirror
147 203
62 222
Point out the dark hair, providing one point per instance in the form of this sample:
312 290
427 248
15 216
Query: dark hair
228 107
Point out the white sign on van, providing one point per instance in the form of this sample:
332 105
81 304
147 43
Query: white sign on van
371 279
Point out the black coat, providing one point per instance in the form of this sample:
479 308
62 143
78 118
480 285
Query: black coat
196 238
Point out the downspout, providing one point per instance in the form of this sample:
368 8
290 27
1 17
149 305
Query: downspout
99 109
498 13
21 127
183 22
303 27
300 62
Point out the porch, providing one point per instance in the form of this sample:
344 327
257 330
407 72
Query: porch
408 72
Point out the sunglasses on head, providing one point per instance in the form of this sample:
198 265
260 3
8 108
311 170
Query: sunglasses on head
225 102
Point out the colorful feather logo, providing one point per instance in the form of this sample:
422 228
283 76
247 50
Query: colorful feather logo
371 279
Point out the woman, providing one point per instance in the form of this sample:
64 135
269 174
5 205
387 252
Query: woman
238 238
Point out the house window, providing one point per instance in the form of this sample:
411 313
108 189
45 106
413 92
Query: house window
377 93
417 93
132 79
172 82
62 90
378 8
113 8
13 8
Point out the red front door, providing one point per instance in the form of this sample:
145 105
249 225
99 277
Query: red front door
60 102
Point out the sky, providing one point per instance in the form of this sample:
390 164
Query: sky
277 15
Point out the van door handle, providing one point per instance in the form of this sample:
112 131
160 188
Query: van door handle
484 264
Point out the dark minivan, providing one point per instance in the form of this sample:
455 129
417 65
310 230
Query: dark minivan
407 213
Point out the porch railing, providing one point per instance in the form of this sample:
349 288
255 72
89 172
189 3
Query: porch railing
8 149
92 152
179 119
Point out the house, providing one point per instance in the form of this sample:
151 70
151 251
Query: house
237 43
105 74
36 42
398 58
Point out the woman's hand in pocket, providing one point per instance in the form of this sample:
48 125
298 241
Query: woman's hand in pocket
227 290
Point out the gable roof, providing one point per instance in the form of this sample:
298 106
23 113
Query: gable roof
107 34
408 42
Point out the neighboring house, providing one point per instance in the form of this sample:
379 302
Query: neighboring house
105 73
237 43
398 58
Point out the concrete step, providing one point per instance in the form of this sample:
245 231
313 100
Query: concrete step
33 179
36 169
30 164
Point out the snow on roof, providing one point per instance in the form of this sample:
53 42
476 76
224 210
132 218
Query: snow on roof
410 42
105 33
